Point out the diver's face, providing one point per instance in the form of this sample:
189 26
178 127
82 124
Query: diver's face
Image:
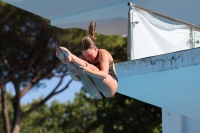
90 54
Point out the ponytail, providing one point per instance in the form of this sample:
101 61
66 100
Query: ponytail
91 30
89 41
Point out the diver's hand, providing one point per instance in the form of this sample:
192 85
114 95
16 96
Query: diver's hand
85 69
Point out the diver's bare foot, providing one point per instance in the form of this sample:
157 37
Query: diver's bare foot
64 55
68 57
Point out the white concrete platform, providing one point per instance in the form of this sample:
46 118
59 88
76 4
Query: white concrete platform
170 81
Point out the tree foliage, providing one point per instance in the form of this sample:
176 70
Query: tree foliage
27 56
119 114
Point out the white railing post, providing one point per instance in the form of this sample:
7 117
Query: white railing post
130 42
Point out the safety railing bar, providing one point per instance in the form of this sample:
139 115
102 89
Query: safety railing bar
165 16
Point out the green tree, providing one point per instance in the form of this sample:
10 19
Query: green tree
118 114
121 114
27 57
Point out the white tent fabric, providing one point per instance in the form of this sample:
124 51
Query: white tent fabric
152 36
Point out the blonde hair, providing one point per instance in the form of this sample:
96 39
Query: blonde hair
89 41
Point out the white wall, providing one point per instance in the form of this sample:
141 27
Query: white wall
175 123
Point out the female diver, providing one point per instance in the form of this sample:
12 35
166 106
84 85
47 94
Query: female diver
95 68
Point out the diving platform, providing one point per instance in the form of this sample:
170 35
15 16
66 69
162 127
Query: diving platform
169 81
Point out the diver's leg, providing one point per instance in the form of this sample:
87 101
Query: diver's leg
66 56
87 82
107 86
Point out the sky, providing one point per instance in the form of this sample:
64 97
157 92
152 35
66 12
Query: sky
67 95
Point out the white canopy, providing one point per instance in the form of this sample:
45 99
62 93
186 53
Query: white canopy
111 15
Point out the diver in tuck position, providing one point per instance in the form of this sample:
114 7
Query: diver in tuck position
95 68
